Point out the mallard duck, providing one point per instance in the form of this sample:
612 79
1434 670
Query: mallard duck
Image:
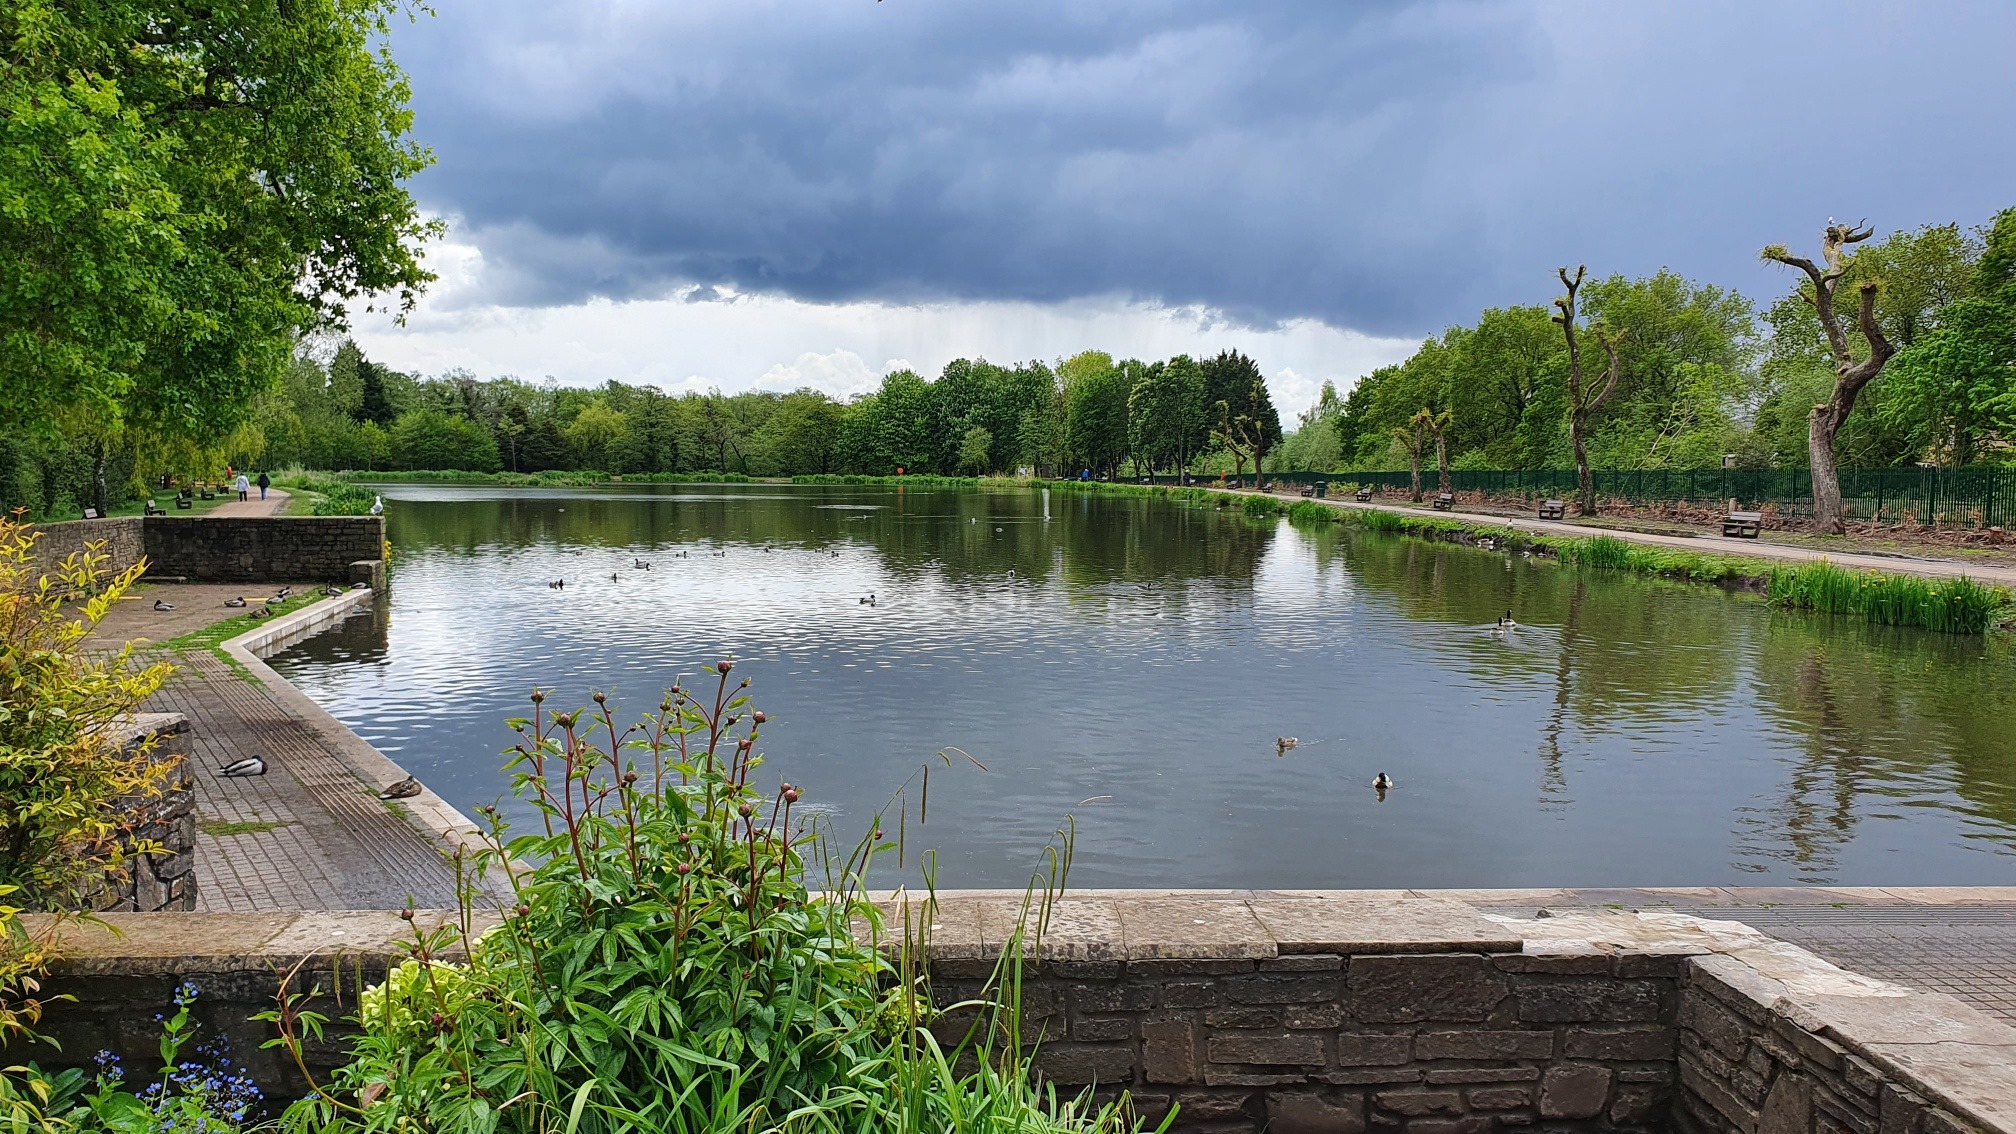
1283 743
234 603
404 789
249 766
868 599
1382 782
163 606
282 593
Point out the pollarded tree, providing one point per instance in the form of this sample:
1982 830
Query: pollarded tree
1582 400
1414 437
1850 374
1437 425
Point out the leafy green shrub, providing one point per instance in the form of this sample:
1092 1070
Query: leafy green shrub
663 965
1260 507
62 777
1310 513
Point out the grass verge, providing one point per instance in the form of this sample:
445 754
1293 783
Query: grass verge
212 637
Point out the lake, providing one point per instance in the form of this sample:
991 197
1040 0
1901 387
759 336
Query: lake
1131 662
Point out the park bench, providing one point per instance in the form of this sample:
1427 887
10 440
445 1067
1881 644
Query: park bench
1308 490
1444 501
182 499
1743 525
154 508
1364 493
1552 509
206 493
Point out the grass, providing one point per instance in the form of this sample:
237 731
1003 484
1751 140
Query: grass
218 828
213 636
916 480
1954 606
331 496
532 480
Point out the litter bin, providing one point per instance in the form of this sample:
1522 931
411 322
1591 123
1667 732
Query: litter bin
1322 489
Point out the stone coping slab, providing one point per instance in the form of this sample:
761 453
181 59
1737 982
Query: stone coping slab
1928 1043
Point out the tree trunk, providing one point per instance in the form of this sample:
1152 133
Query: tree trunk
1821 428
1414 472
1442 461
101 493
1585 485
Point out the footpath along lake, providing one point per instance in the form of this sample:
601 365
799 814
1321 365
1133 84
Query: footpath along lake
1132 661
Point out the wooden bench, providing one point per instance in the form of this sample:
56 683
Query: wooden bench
154 509
1743 525
182 499
1553 509
1308 490
1364 493
1444 501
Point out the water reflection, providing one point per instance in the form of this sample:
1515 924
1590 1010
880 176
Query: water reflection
1145 655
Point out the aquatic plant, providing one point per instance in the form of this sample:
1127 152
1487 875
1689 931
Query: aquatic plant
1954 606
1308 513
1261 507
662 964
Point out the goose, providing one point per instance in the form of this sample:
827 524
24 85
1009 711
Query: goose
163 606
1382 782
1283 743
1505 622
377 505
234 603
249 766
404 789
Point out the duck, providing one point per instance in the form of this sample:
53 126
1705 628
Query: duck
332 590
613 577
868 599
404 789
1382 782
557 585
1283 743
162 605
282 593
377 505
1505 622
262 612
249 766
235 603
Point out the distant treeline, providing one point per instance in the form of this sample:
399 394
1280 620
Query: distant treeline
976 418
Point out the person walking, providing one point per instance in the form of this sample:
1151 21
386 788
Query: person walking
265 482
244 486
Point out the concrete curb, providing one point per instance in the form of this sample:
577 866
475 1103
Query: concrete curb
436 817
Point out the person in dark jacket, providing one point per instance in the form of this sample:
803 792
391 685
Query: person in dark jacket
265 482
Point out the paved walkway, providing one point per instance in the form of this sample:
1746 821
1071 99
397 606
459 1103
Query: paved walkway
274 504
1956 940
309 834
1706 544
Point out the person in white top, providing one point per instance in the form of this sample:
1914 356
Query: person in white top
244 486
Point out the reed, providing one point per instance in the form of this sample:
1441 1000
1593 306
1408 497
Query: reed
1308 513
1956 606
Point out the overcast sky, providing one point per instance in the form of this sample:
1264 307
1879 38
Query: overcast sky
775 193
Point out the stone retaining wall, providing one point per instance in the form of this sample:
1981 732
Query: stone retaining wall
1295 1014
165 881
231 549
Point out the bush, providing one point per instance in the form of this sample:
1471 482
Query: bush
1260 507
61 777
663 965
1308 513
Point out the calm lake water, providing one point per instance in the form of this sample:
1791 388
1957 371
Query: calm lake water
1131 663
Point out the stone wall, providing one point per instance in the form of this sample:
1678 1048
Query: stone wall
124 538
1755 1061
231 549
166 880
1293 1015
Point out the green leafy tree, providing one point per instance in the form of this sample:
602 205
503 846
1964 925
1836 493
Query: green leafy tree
1095 410
188 189
973 450
1234 380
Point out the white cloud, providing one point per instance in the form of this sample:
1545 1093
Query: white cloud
700 338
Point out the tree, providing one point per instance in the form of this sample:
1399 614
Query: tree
1582 400
1954 386
597 435
973 448
1161 410
1437 427
1850 374
1096 425
190 188
1235 379
1414 437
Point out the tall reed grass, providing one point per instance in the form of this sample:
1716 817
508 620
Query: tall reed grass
1953 606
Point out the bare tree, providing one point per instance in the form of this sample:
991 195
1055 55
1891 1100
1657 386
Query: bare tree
1583 401
1850 376
1414 436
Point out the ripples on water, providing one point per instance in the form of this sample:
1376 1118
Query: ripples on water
1145 655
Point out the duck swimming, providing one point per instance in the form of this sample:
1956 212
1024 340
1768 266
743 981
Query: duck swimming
1382 782
1283 743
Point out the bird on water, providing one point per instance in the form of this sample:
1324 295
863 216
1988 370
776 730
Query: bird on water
1382 782
1283 743
1505 622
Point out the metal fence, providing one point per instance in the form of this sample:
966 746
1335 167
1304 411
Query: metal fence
1968 497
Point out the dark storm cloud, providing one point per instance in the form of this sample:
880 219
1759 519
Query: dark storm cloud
1387 167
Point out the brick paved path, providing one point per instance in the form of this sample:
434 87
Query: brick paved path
1960 942
274 504
308 835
